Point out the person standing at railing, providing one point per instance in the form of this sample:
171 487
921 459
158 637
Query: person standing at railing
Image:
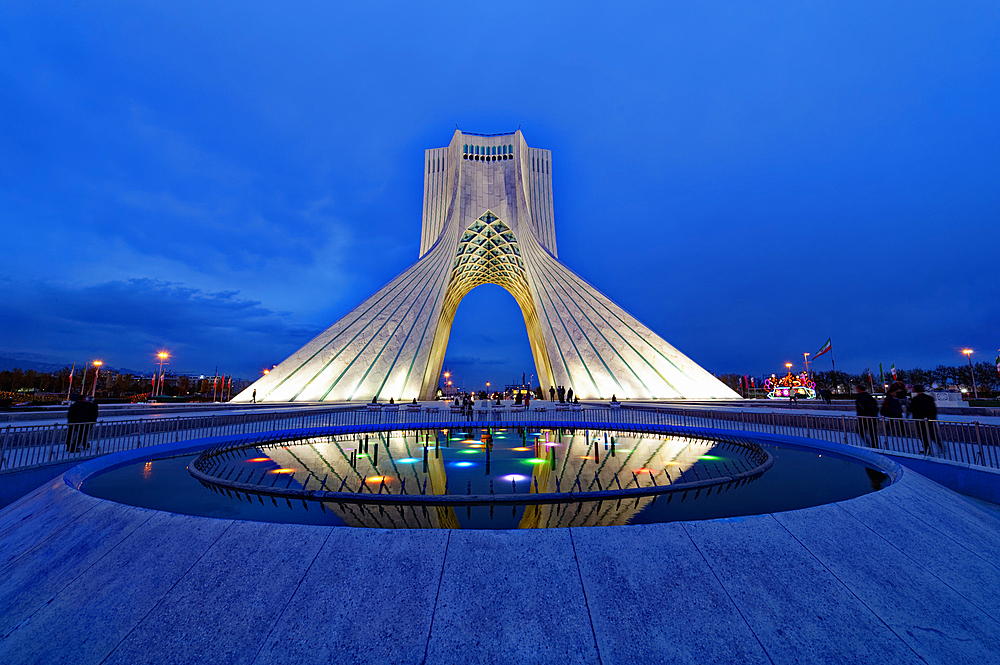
924 410
81 418
867 410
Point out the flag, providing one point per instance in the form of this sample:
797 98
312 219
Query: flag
826 349
892 370
998 362
881 375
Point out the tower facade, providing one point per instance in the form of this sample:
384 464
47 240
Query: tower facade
487 219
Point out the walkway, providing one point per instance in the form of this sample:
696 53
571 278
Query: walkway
905 575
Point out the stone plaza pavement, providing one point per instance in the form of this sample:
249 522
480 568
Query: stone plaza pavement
908 574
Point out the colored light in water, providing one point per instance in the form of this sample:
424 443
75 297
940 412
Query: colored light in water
643 471
408 460
464 464
282 471
260 459
709 457
522 449
534 460
514 476
377 479
362 454
551 445
469 452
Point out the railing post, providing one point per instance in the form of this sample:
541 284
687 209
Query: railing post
979 440
52 442
808 429
177 429
843 427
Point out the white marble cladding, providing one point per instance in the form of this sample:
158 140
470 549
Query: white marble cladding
393 344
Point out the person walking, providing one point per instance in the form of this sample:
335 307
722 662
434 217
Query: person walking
923 409
891 406
253 399
867 410
552 394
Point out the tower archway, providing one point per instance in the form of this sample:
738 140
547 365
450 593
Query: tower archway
488 218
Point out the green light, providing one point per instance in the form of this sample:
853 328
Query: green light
709 457
535 460
469 452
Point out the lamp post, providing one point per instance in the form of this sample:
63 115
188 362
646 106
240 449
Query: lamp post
975 391
805 361
97 373
162 355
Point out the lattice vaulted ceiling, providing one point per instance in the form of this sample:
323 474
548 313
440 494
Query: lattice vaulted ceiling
488 253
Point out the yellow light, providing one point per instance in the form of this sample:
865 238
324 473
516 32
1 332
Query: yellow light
377 479
162 355
282 471
967 352
98 363
267 371
521 450
260 459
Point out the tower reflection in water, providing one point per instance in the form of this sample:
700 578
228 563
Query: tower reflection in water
484 462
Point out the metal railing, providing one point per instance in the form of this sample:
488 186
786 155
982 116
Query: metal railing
970 443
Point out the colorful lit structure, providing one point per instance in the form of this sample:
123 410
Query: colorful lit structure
488 219
798 384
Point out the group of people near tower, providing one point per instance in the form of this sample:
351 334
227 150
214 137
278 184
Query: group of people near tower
563 394
920 407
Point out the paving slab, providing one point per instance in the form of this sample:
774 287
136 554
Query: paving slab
795 606
949 513
511 597
965 571
224 607
371 593
35 578
654 599
55 506
937 623
116 593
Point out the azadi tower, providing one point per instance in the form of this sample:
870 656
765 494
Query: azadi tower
487 220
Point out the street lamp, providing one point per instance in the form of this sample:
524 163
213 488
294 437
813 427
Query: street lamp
162 355
975 391
97 373
788 366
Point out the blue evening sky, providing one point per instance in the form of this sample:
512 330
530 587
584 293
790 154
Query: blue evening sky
225 180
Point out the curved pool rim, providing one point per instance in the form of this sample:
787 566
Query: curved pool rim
78 475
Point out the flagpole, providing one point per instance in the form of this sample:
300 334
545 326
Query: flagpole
69 390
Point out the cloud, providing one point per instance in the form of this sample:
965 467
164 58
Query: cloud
126 322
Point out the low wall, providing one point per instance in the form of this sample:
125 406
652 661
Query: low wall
16 483
975 481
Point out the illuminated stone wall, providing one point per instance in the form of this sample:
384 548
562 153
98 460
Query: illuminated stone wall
488 218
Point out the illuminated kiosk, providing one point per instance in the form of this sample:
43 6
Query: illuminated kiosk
488 219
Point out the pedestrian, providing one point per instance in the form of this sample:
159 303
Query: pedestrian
828 395
867 410
253 399
923 409
891 406
81 417
552 394
569 395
